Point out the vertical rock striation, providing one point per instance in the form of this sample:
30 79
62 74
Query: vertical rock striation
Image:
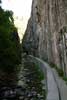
45 34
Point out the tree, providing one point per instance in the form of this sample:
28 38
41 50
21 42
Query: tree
10 55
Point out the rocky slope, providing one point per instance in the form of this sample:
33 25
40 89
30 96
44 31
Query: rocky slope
45 35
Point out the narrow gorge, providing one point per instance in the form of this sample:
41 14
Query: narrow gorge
34 68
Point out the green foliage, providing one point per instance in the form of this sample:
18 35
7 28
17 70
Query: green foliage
65 79
59 70
39 71
9 42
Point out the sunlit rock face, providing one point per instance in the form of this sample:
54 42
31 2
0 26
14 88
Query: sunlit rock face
48 19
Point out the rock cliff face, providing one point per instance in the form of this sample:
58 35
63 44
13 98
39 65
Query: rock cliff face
45 35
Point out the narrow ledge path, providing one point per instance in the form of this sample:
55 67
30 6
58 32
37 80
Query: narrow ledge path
57 88
52 86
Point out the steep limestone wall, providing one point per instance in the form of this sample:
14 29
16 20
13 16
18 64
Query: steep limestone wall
48 17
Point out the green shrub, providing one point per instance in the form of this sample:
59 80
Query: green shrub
60 72
65 79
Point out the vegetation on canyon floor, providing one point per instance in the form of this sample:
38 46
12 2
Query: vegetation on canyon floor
59 71
33 79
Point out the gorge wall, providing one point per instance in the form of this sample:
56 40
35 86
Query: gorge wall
45 35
